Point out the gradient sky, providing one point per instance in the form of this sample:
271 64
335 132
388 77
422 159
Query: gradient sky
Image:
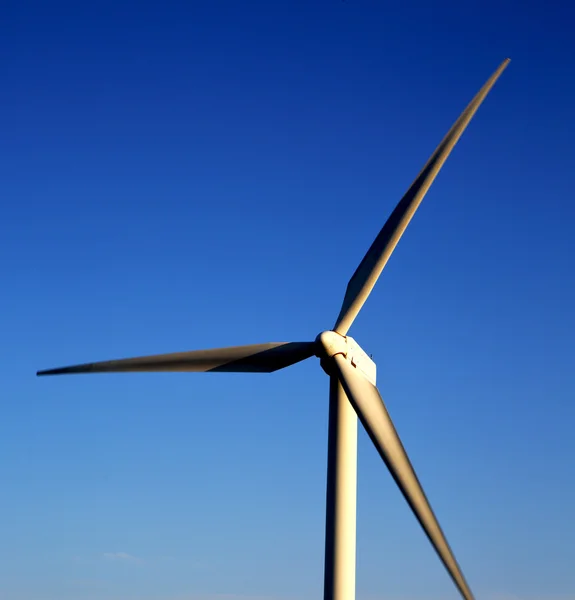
197 174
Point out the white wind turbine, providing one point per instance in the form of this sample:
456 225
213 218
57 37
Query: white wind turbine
352 388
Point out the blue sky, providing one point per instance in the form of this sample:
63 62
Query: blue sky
190 175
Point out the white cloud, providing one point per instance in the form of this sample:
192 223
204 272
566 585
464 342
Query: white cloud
506 596
120 556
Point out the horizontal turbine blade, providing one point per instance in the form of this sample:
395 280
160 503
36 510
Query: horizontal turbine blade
373 414
258 358
370 268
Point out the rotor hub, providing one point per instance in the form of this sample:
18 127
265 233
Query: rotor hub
330 343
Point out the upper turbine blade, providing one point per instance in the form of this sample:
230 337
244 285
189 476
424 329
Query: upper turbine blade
258 358
373 414
367 273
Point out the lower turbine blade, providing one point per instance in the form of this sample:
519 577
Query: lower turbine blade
373 414
258 358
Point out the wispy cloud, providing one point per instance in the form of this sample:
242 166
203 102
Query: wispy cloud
507 596
121 556
231 596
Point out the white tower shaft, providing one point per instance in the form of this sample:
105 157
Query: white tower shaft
340 533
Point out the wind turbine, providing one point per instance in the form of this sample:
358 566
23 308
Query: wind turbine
352 389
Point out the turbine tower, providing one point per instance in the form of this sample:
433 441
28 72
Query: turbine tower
352 392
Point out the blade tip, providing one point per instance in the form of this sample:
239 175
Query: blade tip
59 371
45 372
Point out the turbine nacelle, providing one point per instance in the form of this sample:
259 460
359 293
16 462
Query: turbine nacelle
331 343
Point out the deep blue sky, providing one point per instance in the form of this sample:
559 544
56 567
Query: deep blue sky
189 175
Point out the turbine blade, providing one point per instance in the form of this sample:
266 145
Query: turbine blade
373 414
370 268
258 358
